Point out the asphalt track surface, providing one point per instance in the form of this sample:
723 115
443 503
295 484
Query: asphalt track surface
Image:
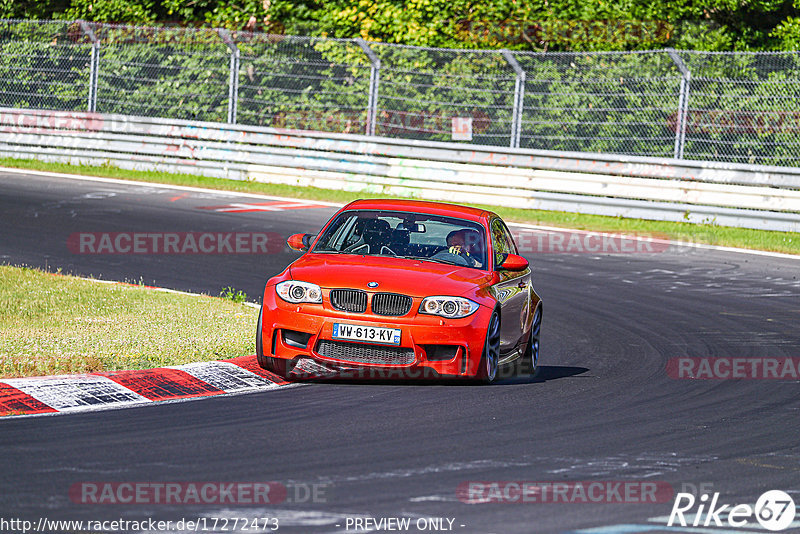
601 408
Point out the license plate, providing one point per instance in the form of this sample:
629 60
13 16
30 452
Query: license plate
368 334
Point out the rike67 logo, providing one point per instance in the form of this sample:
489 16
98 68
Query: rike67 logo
774 510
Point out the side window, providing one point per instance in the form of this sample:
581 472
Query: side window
502 242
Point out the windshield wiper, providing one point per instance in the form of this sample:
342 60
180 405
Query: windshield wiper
428 258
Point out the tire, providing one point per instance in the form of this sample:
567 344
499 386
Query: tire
530 360
273 365
491 351
259 342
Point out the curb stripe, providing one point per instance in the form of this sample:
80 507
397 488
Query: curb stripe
251 364
227 376
112 389
162 384
71 392
14 402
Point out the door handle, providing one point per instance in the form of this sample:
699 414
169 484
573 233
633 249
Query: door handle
522 284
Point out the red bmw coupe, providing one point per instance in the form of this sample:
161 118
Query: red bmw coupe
403 288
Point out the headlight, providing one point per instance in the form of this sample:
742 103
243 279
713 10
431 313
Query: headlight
297 292
451 307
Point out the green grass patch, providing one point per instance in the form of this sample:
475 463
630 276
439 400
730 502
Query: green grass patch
787 242
54 324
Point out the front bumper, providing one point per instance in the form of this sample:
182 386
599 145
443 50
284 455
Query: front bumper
431 346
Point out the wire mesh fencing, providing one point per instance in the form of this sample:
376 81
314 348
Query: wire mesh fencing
302 83
161 72
735 107
444 95
44 65
601 102
744 107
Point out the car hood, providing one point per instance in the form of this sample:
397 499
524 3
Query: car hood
393 275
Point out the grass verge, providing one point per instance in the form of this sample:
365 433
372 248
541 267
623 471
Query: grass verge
787 242
55 324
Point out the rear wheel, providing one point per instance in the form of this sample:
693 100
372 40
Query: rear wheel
530 359
274 365
491 351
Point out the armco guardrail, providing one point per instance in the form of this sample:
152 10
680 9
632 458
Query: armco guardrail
651 188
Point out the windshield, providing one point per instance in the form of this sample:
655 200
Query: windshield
407 235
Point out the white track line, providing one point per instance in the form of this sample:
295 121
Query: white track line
165 186
156 288
338 205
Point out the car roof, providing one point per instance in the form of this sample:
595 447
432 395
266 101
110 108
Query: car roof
420 206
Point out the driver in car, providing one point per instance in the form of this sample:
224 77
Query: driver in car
467 244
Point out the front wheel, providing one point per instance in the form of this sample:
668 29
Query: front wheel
491 351
273 365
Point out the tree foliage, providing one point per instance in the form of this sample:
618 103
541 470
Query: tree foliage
536 25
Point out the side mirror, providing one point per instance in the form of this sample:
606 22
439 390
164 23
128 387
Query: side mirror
300 242
514 262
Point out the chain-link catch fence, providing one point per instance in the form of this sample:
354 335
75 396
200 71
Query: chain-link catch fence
736 107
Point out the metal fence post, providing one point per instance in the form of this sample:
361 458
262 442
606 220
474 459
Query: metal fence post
683 103
233 81
374 79
519 98
94 65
